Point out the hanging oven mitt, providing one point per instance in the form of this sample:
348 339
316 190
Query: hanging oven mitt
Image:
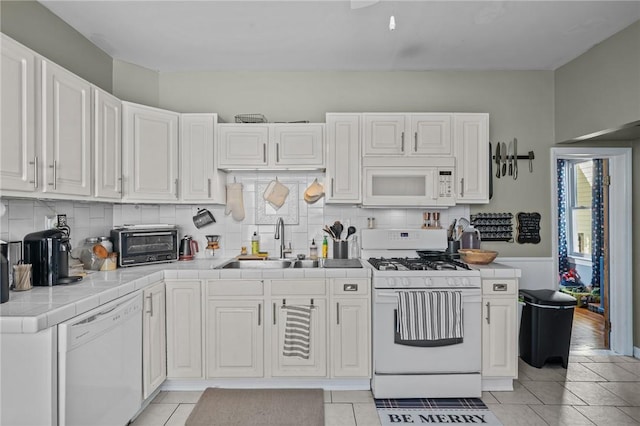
276 194
235 202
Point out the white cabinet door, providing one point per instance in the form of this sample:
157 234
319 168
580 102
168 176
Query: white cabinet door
343 159
235 338
384 134
107 145
298 144
430 134
18 157
66 136
471 140
242 145
184 329
499 337
199 176
293 366
150 154
154 347
350 342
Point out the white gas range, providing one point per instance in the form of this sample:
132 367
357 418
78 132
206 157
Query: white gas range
414 260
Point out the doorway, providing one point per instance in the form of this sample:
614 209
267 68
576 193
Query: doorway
618 306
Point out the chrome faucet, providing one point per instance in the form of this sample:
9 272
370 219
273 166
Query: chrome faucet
279 235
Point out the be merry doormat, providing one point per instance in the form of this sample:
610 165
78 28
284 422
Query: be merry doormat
425 411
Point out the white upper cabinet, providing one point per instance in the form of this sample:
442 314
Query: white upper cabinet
107 145
18 157
343 176
66 131
150 154
199 177
471 135
272 146
407 134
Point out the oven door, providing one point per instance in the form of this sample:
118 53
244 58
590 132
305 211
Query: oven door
148 246
394 358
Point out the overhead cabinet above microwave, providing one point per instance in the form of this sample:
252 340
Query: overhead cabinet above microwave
408 134
279 146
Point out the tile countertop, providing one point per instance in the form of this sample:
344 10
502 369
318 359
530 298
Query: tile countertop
42 307
497 270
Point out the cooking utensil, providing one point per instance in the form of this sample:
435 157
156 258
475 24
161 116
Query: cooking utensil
498 160
337 228
503 158
451 230
464 223
350 231
515 158
510 155
329 231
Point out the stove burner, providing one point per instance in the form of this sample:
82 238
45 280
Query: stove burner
437 261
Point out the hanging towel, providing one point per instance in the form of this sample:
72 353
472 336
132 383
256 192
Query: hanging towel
429 318
297 331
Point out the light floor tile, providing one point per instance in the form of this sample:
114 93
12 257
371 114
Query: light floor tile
179 417
606 416
552 393
327 396
516 414
547 372
155 415
487 398
519 395
560 415
579 358
351 396
181 397
339 415
630 392
611 371
611 358
366 414
633 412
580 373
632 367
594 394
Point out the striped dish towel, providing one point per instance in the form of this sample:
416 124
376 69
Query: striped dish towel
296 331
429 315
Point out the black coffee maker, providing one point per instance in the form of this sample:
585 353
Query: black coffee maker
48 253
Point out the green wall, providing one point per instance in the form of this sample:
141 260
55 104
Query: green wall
33 25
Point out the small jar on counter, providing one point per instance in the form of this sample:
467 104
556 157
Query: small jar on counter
106 243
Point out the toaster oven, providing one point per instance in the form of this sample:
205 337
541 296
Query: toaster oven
144 244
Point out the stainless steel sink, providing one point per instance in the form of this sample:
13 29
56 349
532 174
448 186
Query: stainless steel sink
257 264
306 263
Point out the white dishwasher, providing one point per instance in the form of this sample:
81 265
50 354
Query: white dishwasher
100 365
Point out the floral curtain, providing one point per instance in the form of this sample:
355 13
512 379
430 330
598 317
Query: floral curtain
563 263
597 222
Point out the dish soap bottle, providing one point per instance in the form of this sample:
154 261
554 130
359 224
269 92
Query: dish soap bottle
313 250
325 248
255 243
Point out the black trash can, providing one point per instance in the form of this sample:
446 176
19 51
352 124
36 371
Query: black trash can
545 328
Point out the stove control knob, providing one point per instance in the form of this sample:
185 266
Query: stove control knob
465 282
391 282
405 282
428 282
450 282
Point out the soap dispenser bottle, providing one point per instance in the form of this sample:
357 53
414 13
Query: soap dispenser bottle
313 250
255 243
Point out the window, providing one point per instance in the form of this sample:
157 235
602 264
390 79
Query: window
580 181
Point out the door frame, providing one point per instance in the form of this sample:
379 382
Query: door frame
620 237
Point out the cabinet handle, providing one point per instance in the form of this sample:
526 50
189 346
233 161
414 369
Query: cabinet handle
332 187
338 313
462 187
177 188
35 172
274 314
402 143
488 312
277 153
121 185
264 153
259 314
55 174
350 287
415 142
500 287
150 311
209 187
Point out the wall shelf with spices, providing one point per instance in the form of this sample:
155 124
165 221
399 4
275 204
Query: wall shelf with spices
494 226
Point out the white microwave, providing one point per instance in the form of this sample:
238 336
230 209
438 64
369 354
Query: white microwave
410 186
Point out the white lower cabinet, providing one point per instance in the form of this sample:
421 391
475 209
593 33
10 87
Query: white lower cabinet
350 328
154 344
184 329
499 330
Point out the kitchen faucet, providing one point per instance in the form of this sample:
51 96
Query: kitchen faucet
279 235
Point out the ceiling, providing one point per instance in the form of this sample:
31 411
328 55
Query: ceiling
344 35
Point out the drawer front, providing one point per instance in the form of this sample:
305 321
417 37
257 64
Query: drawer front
350 287
301 286
235 288
497 287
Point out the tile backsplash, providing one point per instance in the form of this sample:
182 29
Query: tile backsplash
88 219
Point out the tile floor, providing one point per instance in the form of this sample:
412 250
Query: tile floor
596 389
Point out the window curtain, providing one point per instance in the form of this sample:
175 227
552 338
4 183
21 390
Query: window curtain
597 222
563 262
